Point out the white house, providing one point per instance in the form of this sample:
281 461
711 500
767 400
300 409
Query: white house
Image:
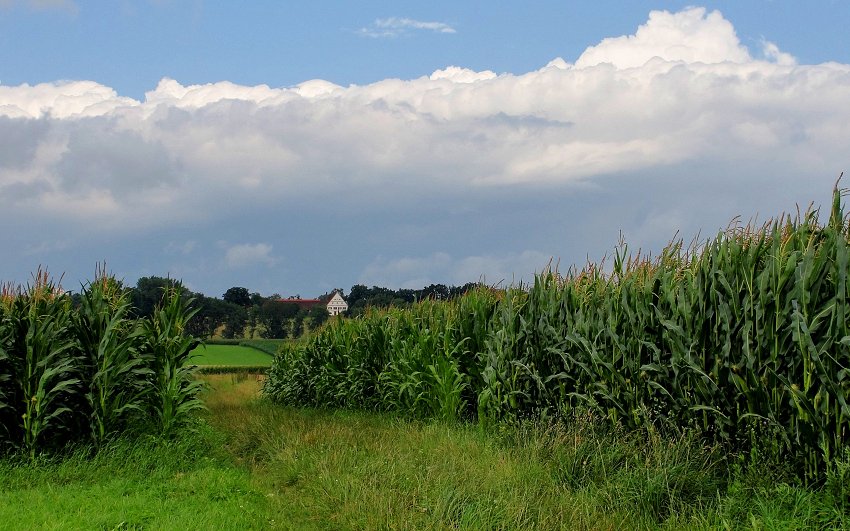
337 304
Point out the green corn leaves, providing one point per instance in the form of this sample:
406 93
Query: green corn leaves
90 373
744 338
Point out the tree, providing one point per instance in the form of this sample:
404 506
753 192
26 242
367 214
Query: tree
439 292
235 320
318 314
358 292
275 317
149 291
213 313
238 295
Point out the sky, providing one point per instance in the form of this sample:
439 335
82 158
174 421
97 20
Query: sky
295 148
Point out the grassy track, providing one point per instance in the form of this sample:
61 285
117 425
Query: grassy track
230 355
355 470
255 465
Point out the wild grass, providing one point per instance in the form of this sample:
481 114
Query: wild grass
141 483
251 464
361 470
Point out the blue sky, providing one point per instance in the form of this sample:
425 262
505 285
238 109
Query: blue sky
131 45
299 148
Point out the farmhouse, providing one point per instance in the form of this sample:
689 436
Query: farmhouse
335 306
304 304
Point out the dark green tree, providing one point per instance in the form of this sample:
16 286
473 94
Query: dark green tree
149 291
238 295
318 315
275 317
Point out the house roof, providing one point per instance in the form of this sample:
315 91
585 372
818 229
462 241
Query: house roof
309 303
304 303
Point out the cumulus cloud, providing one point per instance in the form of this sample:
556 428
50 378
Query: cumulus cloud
396 26
772 52
249 255
681 99
688 36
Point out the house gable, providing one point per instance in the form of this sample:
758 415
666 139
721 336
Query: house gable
337 304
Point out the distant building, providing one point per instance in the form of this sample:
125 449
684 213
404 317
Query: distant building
337 304
305 304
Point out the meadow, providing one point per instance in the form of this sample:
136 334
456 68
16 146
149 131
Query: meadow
227 355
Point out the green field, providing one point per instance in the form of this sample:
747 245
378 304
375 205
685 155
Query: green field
230 355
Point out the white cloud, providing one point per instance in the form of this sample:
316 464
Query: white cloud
396 26
461 75
681 98
772 52
248 255
186 148
689 36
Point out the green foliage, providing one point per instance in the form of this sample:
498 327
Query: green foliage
90 372
238 296
318 316
174 390
744 339
43 364
418 361
114 364
148 293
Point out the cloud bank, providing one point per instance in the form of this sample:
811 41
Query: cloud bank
681 100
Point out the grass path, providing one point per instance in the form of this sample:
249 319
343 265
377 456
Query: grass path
254 465
344 470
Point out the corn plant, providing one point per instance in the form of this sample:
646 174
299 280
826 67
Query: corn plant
173 390
42 361
116 369
7 409
743 338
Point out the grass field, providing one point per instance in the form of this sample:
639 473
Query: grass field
230 355
251 464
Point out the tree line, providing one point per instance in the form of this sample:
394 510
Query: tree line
241 313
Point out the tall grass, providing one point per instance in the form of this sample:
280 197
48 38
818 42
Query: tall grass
743 339
89 373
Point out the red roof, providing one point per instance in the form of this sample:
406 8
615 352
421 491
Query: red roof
304 303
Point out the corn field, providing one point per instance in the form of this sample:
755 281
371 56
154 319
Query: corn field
89 373
743 338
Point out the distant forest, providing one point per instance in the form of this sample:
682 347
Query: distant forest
240 313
